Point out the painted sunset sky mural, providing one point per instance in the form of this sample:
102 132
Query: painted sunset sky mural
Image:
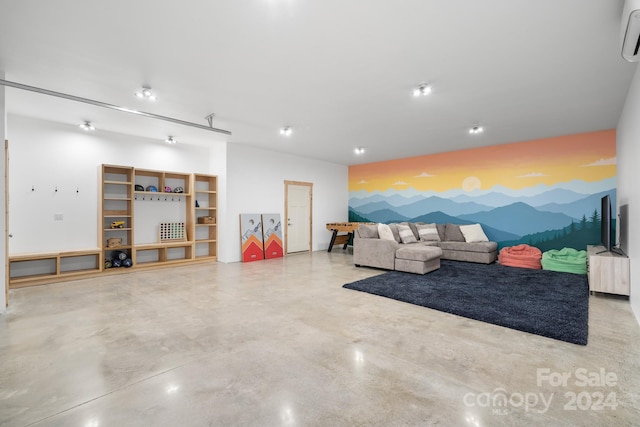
544 192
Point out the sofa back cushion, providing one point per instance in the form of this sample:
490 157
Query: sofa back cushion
368 231
428 232
406 235
452 233
384 231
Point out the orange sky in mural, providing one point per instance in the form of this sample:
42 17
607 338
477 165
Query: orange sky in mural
589 156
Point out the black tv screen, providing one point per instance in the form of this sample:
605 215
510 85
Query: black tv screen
605 230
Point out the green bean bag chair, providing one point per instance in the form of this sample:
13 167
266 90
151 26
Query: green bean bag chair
566 260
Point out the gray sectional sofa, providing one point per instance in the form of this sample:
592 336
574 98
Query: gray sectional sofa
373 246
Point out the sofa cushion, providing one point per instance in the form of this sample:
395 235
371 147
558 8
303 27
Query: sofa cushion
414 227
441 230
452 233
484 247
473 233
419 253
406 235
367 231
394 230
428 232
384 231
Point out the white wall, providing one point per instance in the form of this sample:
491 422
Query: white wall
45 156
255 184
628 155
3 248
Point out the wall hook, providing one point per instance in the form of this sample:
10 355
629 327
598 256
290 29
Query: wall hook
77 190
33 188
56 190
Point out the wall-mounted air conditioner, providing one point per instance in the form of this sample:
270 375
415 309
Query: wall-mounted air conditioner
631 31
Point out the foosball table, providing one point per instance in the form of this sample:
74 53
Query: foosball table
342 227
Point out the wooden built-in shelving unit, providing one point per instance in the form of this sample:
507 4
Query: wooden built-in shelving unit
117 202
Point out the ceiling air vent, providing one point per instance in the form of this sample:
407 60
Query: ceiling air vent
631 31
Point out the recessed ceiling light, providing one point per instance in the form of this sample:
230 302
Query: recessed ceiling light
476 130
146 93
87 126
170 140
286 131
359 150
422 90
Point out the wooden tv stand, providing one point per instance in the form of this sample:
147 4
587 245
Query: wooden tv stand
608 271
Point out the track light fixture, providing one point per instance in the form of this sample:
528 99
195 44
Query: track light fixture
359 150
286 131
146 93
170 140
87 126
422 90
476 130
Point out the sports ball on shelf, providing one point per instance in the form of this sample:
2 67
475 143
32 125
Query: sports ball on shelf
167 189
152 188
122 256
127 262
139 187
178 190
116 263
107 263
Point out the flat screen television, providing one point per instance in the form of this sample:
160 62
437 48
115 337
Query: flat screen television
606 231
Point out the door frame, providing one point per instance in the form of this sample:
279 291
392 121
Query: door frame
286 212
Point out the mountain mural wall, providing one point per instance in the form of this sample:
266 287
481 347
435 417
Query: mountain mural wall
545 193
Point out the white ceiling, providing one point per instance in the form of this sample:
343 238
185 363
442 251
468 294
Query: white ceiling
340 72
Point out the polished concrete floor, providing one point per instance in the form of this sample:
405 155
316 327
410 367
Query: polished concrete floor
280 343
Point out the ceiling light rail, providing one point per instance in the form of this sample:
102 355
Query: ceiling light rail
110 106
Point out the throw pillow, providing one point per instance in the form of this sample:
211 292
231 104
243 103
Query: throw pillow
428 232
441 228
385 232
473 233
394 230
414 228
452 233
406 235
368 231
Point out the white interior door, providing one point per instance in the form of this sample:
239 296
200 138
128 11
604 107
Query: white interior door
298 212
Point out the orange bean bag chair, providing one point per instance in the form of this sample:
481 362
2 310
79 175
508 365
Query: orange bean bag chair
524 256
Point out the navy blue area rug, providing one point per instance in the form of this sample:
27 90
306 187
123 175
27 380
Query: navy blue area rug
541 302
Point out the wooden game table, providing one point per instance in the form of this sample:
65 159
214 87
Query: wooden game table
342 227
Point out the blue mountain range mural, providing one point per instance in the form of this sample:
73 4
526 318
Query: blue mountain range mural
547 215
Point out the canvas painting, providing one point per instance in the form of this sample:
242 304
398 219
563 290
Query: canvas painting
251 237
272 236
